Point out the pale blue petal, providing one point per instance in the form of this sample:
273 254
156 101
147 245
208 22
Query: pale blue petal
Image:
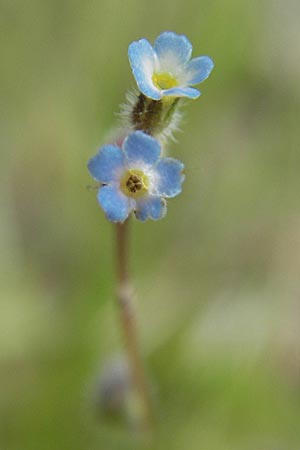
151 208
198 69
173 50
170 177
141 148
107 165
182 92
149 90
115 204
142 60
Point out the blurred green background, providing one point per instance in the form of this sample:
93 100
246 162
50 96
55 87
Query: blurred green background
217 281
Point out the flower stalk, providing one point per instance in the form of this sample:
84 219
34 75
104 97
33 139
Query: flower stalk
129 328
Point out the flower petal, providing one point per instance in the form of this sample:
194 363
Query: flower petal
140 149
107 165
170 177
116 205
151 208
198 69
182 92
173 51
142 60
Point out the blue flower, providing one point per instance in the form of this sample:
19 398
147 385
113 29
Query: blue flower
135 178
166 68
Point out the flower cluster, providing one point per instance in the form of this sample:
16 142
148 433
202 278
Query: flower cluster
133 175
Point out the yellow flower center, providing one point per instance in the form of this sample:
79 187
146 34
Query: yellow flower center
164 80
134 183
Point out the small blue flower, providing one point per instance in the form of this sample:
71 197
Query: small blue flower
166 69
135 178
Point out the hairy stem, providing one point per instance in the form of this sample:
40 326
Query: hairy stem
128 322
153 116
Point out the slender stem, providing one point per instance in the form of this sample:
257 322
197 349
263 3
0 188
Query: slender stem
124 297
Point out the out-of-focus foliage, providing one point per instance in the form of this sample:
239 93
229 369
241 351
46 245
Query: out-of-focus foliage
217 281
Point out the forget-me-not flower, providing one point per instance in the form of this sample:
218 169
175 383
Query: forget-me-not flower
135 178
166 68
